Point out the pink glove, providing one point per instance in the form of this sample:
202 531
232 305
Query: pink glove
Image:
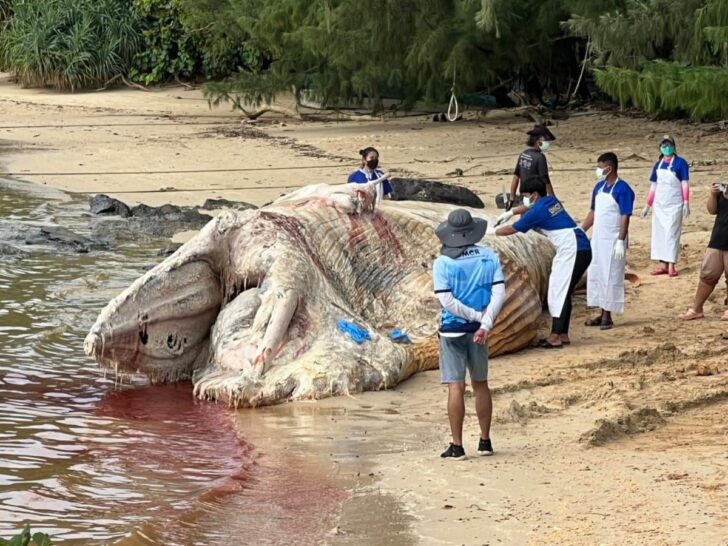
651 194
685 191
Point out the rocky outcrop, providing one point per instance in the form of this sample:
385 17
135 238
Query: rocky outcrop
142 222
214 204
17 236
415 189
103 204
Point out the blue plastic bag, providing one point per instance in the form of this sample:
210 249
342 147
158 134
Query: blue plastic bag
357 333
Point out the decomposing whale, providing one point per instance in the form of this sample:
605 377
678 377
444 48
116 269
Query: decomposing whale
249 308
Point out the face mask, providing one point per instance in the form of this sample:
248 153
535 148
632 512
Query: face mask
372 163
527 202
545 145
601 175
667 150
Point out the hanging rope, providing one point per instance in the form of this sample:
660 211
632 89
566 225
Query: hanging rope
583 66
453 100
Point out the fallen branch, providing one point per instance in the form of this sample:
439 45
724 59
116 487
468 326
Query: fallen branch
183 84
106 85
133 85
288 112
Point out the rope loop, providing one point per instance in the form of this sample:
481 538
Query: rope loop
453 100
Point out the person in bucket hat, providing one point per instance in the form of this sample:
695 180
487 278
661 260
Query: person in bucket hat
469 283
531 163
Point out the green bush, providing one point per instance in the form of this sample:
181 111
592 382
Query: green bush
69 44
175 46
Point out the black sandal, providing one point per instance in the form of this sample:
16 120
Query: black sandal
594 322
606 325
546 344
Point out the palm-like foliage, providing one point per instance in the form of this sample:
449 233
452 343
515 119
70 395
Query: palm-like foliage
69 44
701 92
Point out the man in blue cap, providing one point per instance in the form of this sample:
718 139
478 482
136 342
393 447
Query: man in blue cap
469 283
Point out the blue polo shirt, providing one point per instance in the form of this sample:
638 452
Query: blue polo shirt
470 277
360 176
679 166
621 192
548 214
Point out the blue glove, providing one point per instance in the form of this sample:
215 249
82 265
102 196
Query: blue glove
398 336
357 333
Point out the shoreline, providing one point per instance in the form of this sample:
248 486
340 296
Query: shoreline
546 484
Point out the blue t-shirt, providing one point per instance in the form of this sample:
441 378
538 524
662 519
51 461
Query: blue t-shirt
548 214
620 191
679 167
360 176
470 277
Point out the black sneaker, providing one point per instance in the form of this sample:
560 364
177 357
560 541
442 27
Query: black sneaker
456 453
485 447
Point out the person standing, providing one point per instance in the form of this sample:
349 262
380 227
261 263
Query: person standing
611 208
532 162
715 261
573 254
669 199
469 283
369 171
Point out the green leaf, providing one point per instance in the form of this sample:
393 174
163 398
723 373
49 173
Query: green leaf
22 539
41 539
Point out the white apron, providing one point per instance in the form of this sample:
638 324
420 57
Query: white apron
562 267
667 215
605 279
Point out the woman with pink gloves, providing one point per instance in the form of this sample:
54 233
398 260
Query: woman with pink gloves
669 197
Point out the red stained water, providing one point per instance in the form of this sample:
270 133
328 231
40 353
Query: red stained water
92 463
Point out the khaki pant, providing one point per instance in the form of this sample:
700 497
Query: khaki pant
715 265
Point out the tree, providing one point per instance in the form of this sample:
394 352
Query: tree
662 55
343 51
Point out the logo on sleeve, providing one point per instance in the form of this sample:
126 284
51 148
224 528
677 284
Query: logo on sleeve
555 209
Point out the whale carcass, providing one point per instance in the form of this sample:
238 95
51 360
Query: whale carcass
248 309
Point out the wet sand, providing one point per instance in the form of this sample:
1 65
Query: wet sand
615 440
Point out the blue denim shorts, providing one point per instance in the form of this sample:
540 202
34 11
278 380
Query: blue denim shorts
459 353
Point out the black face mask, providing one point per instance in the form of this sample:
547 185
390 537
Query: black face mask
372 163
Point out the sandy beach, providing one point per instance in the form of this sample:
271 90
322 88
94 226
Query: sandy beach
619 439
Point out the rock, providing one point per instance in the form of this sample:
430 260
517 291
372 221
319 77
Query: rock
148 223
103 204
213 204
704 370
10 253
15 234
60 237
413 189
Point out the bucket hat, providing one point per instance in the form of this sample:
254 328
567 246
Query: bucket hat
458 231
541 130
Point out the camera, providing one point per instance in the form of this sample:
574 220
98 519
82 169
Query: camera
722 187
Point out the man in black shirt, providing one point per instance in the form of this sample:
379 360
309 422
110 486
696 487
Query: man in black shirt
532 162
715 261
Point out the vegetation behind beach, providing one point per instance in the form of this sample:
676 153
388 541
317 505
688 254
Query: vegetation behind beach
660 56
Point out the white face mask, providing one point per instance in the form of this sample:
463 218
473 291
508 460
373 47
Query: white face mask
601 175
545 145
526 201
